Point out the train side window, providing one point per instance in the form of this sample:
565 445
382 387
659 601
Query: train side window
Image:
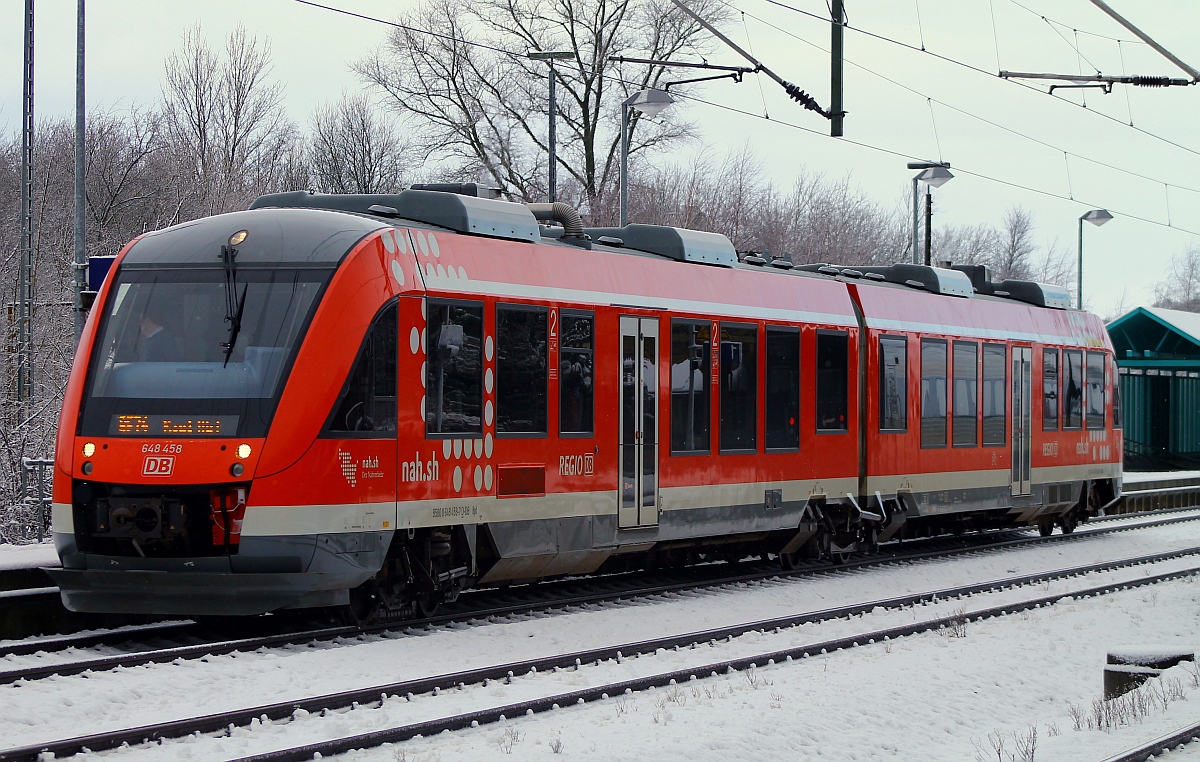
933 393
965 397
995 395
1073 391
691 353
521 369
1116 388
893 383
367 404
783 388
1095 390
833 387
454 369
1049 390
575 387
739 387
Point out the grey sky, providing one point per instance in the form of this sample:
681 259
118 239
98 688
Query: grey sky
128 40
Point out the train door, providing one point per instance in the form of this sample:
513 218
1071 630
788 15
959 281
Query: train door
638 426
1022 418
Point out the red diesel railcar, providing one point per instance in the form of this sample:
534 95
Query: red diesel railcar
374 402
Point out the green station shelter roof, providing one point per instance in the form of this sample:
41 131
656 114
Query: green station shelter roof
1156 337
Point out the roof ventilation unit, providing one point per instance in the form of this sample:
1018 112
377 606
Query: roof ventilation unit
935 280
1039 294
454 211
680 244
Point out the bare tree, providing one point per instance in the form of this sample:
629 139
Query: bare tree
1014 255
1180 290
225 118
352 150
482 109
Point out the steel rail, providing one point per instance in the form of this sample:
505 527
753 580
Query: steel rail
1153 748
222 647
376 695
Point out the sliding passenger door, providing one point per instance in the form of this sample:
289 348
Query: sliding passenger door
1022 419
638 428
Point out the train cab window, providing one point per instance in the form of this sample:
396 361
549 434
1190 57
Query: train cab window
1095 390
1049 390
783 389
965 397
367 405
1073 391
521 370
995 395
893 383
833 380
739 388
933 393
454 370
691 353
575 360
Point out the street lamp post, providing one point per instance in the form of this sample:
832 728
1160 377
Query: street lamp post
651 103
1097 217
934 174
550 56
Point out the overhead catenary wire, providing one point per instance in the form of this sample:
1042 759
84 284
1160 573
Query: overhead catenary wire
732 109
985 72
1049 20
985 120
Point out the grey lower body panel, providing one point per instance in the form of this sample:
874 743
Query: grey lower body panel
265 574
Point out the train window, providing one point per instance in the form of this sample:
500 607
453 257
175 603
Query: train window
691 353
965 398
521 367
833 392
933 393
739 387
368 401
893 383
1116 387
1073 391
1049 390
995 395
783 389
454 370
575 360
1095 390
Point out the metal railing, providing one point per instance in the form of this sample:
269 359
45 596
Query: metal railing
29 520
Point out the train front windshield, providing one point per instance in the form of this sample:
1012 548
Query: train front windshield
189 353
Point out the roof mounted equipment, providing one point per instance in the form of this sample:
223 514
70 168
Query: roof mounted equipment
680 244
458 212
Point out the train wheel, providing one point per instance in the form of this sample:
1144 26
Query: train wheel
427 605
1068 523
1046 528
839 557
363 608
790 561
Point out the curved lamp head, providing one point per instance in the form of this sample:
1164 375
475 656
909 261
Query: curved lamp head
935 176
650 102
1097 217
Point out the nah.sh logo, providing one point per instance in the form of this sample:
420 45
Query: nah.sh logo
158 465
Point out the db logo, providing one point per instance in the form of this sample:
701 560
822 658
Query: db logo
158 465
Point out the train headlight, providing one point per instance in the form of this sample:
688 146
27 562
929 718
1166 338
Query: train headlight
243 451
89 449
238 237
237 469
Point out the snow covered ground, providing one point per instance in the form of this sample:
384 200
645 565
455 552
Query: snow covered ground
28 556
925 697
1136 477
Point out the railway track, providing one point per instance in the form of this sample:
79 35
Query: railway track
375 696
567 595
1153 748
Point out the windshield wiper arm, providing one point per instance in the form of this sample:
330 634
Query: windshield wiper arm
233 304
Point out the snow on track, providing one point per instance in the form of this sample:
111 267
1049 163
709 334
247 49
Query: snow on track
58 707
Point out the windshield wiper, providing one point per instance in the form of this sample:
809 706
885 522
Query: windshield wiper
233 303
